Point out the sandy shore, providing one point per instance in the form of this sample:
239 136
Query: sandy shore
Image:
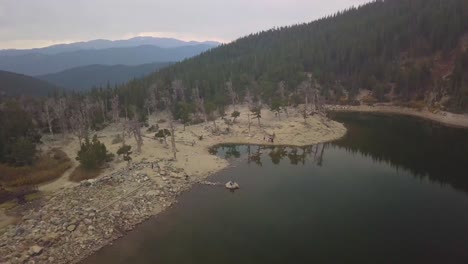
446 118
196 160
76 218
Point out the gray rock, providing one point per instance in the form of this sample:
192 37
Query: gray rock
35 250
152 193
71 228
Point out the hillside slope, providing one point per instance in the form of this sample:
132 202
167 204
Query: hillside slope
401 50
14 85
87 77
40 64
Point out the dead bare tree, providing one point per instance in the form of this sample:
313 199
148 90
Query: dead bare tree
79 125
134 127
174 150
199 102
249 99
47 114
284 101
60 112
147 105
102 106
115 108
232 94
178 91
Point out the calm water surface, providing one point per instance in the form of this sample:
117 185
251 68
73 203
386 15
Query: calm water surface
394 190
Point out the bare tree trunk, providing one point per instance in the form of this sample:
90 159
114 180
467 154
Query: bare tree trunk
115 108
174 150
103 109
248 115
214 123
49 120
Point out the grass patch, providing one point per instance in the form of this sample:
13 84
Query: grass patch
33 196
8 205
417 105
117 139
80 174
48 166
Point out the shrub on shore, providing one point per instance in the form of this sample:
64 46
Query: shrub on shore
93 154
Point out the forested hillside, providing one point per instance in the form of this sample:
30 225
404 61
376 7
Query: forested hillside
401 50
13 85
86 77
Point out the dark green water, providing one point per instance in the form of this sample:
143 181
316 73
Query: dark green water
394 190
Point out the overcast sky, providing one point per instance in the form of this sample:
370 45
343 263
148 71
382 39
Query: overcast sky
38 23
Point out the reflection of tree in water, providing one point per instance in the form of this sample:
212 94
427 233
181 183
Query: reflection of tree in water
295 155
231 151
254 157
277 153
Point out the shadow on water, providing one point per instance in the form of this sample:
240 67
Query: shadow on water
427 149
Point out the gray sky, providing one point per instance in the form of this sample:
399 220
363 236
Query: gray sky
38 23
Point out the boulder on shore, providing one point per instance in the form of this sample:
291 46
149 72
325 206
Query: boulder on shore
232 185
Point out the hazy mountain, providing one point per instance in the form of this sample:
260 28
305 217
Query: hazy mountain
39 64
13 84
106 44
87 77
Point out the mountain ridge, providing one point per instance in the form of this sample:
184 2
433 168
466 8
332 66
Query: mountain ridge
106 44
41 64
15 85
97 75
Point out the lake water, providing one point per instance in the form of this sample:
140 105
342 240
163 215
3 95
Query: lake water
393 190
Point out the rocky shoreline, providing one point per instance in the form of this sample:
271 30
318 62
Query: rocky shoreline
70 225
77 220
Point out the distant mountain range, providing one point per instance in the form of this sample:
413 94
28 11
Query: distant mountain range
40 64
86 77
107 44
83 65
13 84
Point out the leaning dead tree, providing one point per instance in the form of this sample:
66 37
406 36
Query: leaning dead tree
134 128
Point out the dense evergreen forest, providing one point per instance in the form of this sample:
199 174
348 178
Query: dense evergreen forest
404 51
399 49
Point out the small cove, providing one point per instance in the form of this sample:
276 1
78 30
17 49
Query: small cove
393 190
